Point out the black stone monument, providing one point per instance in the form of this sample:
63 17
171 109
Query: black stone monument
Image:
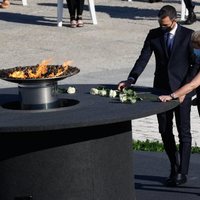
82 151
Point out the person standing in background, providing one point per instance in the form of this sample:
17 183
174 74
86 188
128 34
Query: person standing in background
191 15
171 45
75 8
5 4
190 7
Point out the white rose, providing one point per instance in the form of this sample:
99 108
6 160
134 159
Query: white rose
123 97
102 92
132 100
94 91
112 93
71 90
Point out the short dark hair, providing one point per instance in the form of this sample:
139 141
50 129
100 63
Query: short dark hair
167 11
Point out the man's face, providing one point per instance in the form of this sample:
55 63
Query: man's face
167 24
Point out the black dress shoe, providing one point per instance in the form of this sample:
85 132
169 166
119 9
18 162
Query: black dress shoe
171 182
191 19
181 179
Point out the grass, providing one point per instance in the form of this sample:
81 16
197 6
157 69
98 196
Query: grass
155 146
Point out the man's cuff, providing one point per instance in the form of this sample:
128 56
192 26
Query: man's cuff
131 80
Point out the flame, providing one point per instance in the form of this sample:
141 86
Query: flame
42 70
67 63
18 74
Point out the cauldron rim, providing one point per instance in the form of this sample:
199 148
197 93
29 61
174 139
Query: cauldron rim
68 73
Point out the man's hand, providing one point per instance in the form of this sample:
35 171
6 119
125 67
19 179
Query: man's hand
165 98
124 84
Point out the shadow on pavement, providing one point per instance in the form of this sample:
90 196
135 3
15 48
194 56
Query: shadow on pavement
113 11
151 170
27 19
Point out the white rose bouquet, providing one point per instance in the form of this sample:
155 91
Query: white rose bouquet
127 95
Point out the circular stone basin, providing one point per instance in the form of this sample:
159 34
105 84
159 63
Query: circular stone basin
61 103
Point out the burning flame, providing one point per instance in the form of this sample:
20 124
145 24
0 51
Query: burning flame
65 66
42 70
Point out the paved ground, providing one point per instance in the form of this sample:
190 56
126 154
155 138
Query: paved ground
104 53
151 171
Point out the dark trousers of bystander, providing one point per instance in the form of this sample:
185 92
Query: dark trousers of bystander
191 15
75 8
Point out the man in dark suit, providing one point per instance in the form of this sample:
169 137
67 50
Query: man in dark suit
171 44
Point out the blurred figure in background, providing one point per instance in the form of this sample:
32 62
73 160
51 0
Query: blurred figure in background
5 4
75 8
191 15
190 7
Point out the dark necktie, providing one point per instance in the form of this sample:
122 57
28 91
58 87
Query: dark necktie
169 42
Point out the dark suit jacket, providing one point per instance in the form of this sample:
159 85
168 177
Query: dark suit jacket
171 72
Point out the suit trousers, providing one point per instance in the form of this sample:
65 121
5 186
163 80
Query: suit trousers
75 7
182 119
189 5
